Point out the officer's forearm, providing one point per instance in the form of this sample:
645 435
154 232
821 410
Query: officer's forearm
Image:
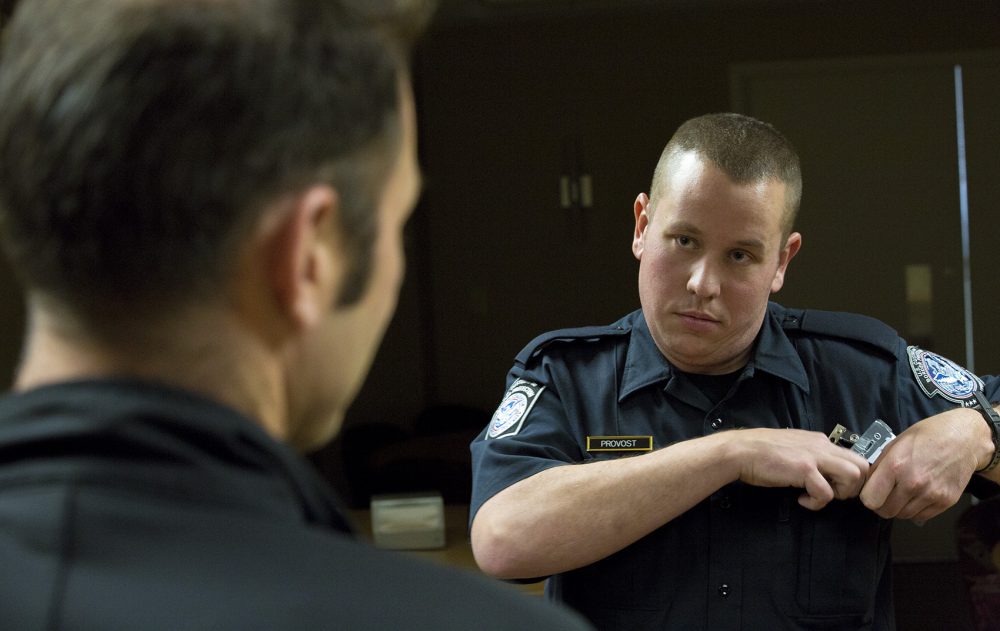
570 516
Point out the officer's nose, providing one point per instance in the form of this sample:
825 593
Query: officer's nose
704 280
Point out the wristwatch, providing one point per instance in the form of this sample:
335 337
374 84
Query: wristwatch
993 419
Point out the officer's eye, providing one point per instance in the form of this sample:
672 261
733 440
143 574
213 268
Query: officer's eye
740 256
684 241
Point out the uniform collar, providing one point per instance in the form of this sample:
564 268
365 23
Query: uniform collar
645 365
773 353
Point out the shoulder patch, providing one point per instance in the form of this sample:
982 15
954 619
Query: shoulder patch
587 333
514 408
937 375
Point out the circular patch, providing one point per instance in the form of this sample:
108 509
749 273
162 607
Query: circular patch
939 375
510 411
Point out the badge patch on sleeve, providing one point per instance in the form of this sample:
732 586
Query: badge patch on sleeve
514 408
938 375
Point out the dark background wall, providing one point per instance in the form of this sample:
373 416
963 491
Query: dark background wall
514 95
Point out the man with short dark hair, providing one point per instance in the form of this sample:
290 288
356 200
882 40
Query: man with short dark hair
704 491
205 202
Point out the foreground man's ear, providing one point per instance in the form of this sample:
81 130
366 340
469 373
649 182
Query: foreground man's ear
306 259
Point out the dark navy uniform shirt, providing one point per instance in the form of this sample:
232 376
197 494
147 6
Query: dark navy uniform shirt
746 557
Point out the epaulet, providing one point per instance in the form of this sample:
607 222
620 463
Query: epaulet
847 326
584 333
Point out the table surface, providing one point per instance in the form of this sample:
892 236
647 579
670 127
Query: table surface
457 551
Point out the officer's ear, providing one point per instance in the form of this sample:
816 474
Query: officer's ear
641 211
792 245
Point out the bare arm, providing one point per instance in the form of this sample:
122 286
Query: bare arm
573 515
926 469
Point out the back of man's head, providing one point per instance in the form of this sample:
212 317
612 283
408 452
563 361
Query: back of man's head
744 148
141 139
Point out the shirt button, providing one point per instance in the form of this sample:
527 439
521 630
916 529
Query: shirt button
717 423
724 590
724 502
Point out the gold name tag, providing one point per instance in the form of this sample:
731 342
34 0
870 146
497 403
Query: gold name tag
619 443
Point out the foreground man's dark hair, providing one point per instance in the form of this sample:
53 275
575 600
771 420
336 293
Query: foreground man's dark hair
135 159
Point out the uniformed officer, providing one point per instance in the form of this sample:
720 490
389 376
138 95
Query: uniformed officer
736 511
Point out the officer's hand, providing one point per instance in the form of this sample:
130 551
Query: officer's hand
803 459
925 469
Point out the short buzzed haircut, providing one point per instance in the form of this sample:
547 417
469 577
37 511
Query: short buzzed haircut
744 148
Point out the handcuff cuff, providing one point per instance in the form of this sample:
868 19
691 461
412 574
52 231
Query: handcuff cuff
869 444
874 439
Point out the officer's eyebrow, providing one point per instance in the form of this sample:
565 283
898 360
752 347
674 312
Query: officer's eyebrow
751 244
682 227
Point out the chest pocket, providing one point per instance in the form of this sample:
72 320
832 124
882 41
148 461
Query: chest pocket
837 557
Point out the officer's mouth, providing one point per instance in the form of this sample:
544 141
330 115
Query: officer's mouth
698 320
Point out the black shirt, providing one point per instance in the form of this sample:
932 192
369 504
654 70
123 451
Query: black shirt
125 505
